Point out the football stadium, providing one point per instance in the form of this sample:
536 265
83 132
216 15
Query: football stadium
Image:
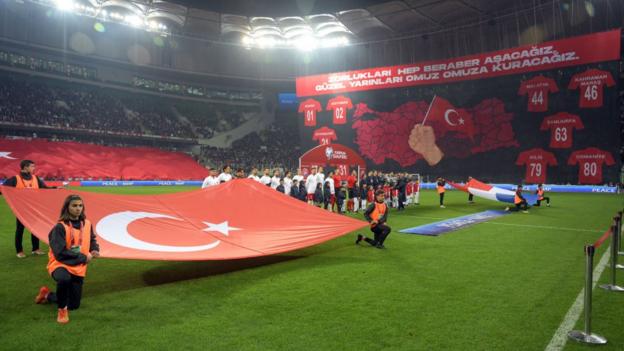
311 174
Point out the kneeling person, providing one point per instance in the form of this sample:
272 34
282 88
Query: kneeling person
377 215
519 201
541 197
72 247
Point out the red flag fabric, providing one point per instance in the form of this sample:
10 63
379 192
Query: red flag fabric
443 114
56 159
238 219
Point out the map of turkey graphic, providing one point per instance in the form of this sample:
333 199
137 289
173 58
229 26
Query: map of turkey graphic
384 135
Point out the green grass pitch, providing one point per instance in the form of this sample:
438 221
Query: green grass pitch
500 285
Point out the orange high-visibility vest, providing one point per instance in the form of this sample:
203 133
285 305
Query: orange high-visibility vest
22 183
517 199
80 237
540 194
378 211
441 189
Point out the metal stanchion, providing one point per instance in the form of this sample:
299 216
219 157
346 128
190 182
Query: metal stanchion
620 252
586 335
614 254
618 238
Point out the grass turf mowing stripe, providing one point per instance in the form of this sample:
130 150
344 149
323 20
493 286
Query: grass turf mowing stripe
560 338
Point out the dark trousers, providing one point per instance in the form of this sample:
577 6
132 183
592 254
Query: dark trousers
402 199
441 199
470 197
522 205
339 204
381 232
539 202
19 233
68 289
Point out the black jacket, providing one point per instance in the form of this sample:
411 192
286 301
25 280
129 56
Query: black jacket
59 247
401 185
294 192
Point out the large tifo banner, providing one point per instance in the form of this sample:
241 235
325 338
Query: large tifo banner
533 114
65 160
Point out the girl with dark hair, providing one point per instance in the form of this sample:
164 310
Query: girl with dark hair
72 247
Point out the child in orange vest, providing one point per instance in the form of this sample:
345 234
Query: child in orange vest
72 247
541 197
519 202
377 215
440 187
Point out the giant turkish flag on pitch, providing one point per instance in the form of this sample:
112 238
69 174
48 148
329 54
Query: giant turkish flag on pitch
446 116
238 219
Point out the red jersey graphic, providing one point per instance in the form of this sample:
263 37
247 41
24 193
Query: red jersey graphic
590 162
340 105
324 135
538 89
591 84
309 108
536 161
561 126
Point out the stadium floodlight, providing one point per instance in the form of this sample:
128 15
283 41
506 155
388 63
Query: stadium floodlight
266 42
334 42
64 5
134 20
247 41
306 43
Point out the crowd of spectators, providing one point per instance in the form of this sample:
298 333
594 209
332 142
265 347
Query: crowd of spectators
71 106
270 148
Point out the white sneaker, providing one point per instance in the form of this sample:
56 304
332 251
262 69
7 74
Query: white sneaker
548 205
442 206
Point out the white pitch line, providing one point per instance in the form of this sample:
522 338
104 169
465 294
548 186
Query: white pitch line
560 338
524 225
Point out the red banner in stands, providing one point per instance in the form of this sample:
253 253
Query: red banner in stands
64 160
238 219
580 50
336 155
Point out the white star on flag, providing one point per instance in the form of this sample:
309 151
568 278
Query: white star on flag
222 228
461 120
4 154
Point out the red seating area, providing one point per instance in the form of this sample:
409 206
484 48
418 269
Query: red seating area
72 160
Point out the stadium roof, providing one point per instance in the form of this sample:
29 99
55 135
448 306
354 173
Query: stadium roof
366 19
303 23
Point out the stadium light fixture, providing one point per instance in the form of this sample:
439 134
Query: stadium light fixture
64 5
134 20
